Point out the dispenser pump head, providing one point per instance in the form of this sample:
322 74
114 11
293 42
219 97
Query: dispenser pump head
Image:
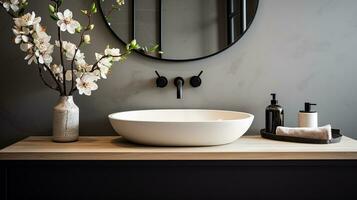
308 106
273 101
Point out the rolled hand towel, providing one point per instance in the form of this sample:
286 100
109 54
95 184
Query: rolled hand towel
322 133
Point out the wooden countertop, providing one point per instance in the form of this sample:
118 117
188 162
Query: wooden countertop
116 148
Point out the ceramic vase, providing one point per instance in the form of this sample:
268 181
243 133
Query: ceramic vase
65 120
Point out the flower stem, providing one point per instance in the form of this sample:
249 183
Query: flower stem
53 77
74 57
95 65
43 79
61 54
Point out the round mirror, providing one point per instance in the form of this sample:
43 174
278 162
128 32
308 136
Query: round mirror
179 30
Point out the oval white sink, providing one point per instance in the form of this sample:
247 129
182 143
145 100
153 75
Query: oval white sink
181 127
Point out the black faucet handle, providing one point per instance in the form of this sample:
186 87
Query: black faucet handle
196 81
161 81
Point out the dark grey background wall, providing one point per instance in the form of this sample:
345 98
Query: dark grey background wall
303 50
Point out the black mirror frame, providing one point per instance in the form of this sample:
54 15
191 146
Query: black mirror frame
178 60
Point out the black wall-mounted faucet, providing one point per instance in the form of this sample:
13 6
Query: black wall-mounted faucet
179 82
161 82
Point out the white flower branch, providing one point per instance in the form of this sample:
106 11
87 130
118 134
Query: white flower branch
82 40
33 39
58 4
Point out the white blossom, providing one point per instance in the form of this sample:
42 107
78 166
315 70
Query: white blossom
86 84
86 39
35 42
113 52
66 23
84 67
69 51
21 34
56 69
43 58
33 39
44 49
30 58
29 19
120 2
25 47
13 4
68 48
80 58
104 64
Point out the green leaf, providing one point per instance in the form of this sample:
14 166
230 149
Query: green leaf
54 17
137 46
84 12
153 48
90 27
93 8
133 42
79 29
51 8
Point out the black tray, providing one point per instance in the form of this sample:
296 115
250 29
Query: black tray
336 138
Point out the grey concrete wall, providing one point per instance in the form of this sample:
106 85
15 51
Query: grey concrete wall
303 50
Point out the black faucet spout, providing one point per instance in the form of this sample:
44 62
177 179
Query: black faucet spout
179 82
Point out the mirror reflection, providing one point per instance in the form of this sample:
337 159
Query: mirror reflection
180 29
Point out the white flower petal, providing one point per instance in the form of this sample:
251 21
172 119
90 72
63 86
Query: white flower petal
71 29
63 27
98 56
60 16
40 60
25 47
18 39
25 38
6 5
14 7
67 13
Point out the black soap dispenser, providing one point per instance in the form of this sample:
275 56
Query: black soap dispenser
274 115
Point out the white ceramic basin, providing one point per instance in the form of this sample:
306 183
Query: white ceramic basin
181 127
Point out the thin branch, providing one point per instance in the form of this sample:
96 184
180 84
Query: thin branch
95 65
75 53
53 77
50 71
44 80
112 9
61 54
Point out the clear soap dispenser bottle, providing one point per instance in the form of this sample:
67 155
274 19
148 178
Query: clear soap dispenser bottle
274 115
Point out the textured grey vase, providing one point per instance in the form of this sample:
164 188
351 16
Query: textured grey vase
65 120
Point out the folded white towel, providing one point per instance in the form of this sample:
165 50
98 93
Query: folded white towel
322 133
